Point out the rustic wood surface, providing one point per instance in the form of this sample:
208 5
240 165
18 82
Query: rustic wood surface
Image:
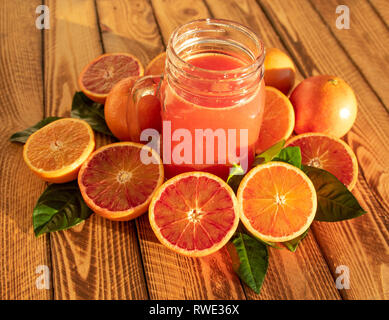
100 259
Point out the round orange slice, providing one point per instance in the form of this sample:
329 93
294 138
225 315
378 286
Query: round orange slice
118 180
329 153
100 75
56 151
194 213
157 65
277 201
278 120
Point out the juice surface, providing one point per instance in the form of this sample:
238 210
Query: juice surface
186 111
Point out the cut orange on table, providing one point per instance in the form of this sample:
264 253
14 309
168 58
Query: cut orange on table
56 151
277 201
118 180
194 213
278 120
328 153
98 77
157 65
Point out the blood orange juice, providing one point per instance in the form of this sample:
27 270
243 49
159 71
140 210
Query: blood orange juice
222 117
212 98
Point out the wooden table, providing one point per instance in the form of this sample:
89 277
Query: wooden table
100 259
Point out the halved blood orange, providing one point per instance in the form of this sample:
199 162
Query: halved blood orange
277 201
194 213
278 119
118 180
99 76
157 65
56 152
329 153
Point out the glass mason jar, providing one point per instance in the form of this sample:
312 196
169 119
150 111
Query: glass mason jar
212 97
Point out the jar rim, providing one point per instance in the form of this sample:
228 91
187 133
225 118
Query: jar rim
256 63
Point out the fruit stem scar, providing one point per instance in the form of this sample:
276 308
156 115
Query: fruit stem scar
333 81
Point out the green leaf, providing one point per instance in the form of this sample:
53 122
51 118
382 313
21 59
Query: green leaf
250 260
60 207
334 201
293 244
235 177
291 155
269 154
90 111
22 136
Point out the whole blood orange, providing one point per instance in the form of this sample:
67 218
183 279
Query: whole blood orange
328 153
278 119
100 75
56 152
194 213
277 201
324 104
115 108
280 71
118 180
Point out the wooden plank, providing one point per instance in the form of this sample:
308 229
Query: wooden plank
290 275
99 259
360 244
168 275
21 103
382 9
366 42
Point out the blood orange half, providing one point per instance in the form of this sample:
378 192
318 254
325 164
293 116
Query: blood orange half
328 153
277 201
98 77
194 213
56 152
118 183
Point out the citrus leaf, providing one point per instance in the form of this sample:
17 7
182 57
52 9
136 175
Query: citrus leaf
92 112
235 177
293 244
334 201
60 207
22 136
269 154
250 260
291 155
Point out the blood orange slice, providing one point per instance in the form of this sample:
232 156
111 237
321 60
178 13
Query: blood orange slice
278 120
56 152
328 153
98 77
277 201
194 213
118 180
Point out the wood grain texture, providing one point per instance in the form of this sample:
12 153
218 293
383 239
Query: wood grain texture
291 275
381 7
129 26
316 51
366 42
168 275
170 14
21 103
98 259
